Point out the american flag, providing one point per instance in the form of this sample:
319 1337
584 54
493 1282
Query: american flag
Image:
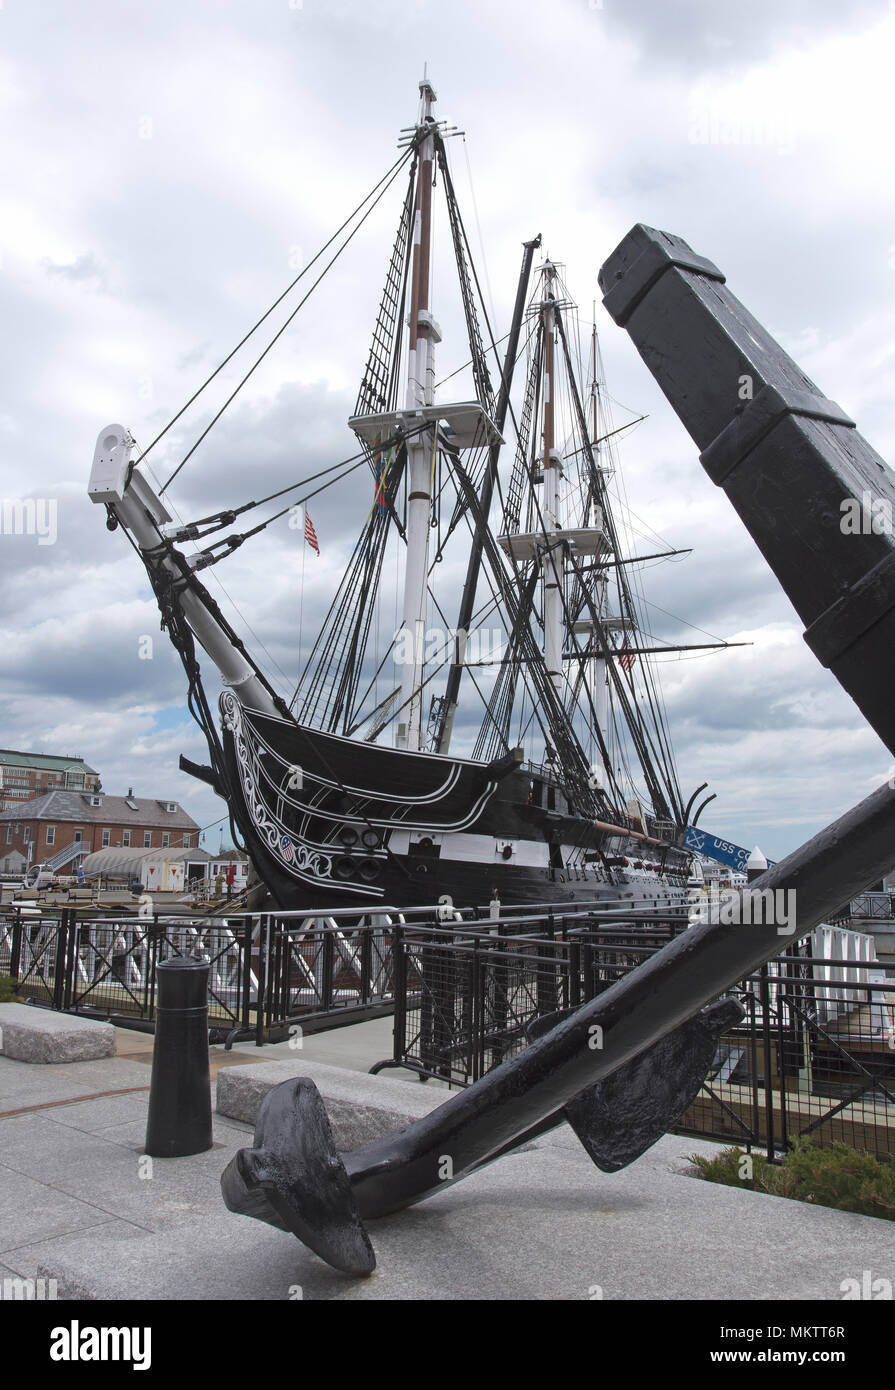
382 465
626 656
310 533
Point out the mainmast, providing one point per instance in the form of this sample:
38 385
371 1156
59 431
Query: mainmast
600 675
552 565
425 430
423 336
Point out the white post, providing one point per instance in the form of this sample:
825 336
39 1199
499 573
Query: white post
420 391
552 563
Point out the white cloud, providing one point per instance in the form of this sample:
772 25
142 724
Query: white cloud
135 255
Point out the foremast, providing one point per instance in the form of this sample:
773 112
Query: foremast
423 336
552 555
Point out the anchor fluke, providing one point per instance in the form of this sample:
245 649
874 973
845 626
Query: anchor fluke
628 1111
294 1179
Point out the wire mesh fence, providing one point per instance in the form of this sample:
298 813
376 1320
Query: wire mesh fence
266 971
814 1054
108 966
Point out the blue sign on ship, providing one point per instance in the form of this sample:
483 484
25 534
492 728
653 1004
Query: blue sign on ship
704 842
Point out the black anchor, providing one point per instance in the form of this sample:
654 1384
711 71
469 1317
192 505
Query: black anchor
656 1039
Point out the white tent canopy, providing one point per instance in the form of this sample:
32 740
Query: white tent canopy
130 863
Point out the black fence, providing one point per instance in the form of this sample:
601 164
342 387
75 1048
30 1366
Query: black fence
466 996
107 966
814 1055
268 971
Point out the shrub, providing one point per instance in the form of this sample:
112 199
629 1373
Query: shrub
838 1176
8 990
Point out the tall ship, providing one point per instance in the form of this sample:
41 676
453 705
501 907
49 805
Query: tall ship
506 736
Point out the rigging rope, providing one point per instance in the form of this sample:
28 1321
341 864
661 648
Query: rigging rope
208 380
282 329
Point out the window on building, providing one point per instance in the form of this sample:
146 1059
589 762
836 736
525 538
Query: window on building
107 835
126 837
166 839
9 834
187 841
51 834
27 834
79 835
147 839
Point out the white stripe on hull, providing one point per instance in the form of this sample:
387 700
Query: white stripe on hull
476 849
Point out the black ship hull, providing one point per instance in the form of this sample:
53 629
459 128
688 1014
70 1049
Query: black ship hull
333 823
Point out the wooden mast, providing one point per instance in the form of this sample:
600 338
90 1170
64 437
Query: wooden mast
600 673
552 561
420 391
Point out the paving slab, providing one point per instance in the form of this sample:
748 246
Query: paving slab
357 1047
96 1116
26 1259
112 1175
544 1225
30 1210
23 1085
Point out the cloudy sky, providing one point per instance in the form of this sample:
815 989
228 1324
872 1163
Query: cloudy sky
167 166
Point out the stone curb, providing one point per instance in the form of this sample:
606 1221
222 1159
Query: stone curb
361 1108
39 1035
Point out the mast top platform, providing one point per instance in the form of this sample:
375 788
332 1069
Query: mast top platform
466 424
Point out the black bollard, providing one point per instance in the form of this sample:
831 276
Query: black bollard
179 1121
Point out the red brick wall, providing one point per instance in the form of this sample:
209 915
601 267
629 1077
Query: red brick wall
91 837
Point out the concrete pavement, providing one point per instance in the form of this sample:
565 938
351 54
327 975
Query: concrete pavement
80 1203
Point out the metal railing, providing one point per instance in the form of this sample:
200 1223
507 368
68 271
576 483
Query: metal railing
107 965
873 906
466 995
815 1053
269 971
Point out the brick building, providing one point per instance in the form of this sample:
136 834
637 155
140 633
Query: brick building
63 825
24 776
